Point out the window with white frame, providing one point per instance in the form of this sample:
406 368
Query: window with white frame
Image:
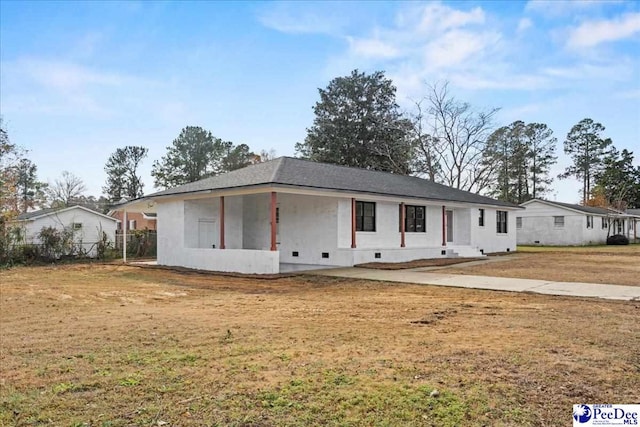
558 221
481 218
589 221
518 222
605 223
76 226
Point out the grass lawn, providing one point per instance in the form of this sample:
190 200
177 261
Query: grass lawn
618 265
106 345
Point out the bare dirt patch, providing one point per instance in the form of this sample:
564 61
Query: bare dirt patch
116 346
610 265
440 262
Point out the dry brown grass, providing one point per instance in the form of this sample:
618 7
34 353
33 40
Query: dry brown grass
618 265
117 346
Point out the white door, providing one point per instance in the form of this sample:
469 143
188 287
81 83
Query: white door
206 233
450 226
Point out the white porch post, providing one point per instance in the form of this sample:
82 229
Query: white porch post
124 237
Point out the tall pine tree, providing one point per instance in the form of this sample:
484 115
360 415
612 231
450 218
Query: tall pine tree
587 150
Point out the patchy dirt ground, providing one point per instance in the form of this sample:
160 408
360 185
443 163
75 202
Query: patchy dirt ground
107 345
618 265
440 262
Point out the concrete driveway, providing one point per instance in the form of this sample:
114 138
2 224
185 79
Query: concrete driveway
419 276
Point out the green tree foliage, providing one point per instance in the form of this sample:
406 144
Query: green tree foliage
195 154
358 123
66 190
619 180
123 180
10 156
31 192
238 157
520 156
588 150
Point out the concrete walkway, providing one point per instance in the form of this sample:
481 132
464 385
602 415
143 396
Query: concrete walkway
419 276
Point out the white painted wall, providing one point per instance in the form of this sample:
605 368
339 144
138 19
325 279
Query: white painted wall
538 227
177 230
486 237
310 225
88 235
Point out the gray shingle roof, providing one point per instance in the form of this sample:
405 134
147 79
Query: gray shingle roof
585 209
29 215
287 171
635 212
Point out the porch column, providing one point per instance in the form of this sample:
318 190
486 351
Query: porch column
273 220
125 223
444 227
353 223
221 222
403 214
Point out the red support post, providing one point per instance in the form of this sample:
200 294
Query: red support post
221 222
353 223
403 221
444 227
274 202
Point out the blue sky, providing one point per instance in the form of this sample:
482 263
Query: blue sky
79 80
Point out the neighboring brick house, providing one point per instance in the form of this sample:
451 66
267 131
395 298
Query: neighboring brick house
135 220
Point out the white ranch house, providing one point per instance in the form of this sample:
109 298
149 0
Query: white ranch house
545 222
290 214
85 223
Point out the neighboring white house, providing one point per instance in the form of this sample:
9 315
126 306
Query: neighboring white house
290 212
635 224
85 223
544 222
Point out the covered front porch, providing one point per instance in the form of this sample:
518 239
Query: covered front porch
265 232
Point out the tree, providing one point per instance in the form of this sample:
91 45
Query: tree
66 190
31 192
587 150
521 156
122 173
195 154
237 157
455 135
619 181
542 155
10 156
358 123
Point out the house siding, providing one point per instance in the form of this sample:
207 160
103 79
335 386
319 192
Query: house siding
87 236
538 227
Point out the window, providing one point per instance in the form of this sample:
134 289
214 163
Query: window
518 222
76 226
558 221
132 224
414 219
365 216
501 221
481 218
605 223
589 221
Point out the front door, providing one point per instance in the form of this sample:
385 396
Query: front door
450 226
207 233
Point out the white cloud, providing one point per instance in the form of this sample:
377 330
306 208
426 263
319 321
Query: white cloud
64 75
524 24
302 18
593 33
558 8
372 48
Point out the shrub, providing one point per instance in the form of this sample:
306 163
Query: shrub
617 239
